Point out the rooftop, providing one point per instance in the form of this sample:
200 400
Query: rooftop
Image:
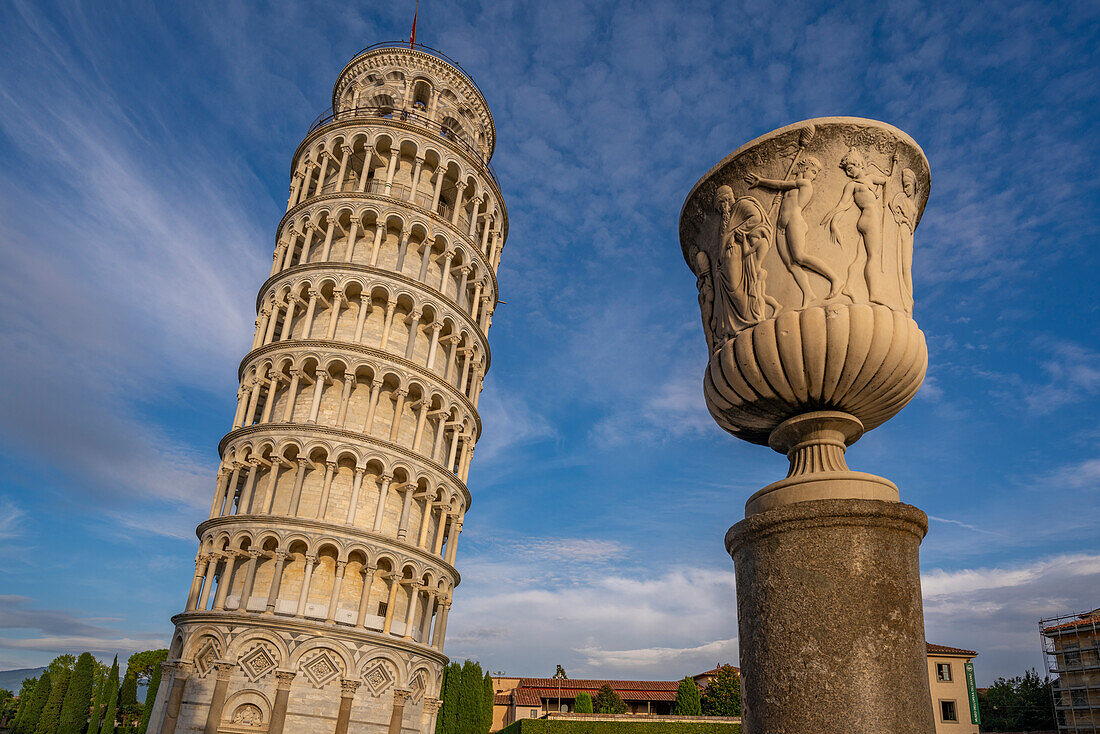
945 650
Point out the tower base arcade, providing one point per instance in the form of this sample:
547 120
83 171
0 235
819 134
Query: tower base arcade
293 677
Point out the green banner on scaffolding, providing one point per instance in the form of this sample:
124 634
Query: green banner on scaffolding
972 694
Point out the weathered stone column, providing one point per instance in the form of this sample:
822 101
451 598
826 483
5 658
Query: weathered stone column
810 346
283 680
175 697
431 707
400 695
347 698
217 701
276 582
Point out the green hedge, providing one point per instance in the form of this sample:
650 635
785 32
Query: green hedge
561 726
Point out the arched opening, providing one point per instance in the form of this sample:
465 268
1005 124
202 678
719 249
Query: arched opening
422 95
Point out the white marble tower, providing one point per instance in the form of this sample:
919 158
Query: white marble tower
326 568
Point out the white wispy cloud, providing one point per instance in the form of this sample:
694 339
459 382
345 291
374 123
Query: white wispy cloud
962 524
11 519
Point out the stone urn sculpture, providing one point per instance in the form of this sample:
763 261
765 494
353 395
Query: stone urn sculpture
802 245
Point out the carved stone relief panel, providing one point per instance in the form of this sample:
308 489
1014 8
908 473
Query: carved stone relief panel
379 676
248 714
205 658
418 687
258 661
814 214
321 667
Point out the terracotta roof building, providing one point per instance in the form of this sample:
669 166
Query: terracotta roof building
951 683
950 675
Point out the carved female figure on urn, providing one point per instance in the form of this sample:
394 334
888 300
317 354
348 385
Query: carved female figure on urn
791 227
701 264
862 192
742 241
904 209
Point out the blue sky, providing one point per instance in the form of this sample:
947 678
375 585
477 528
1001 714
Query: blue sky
146 151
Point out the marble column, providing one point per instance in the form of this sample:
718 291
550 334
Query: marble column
347 697
364 596
175 696
217 701
283 679
276 582
400 695
303 595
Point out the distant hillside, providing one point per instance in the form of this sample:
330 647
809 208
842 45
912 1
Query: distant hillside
13 679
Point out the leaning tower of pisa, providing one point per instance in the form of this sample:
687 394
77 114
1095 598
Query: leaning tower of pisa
326 568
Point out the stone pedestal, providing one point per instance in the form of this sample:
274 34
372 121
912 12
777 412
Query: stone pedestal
830 619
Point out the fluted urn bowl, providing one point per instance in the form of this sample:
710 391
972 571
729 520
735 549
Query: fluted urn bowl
801 242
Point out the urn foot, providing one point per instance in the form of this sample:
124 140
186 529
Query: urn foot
815 443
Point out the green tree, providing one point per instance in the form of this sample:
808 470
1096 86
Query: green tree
722 696
111 694
150 697
78 698
8 706
128 707
471 711
489 693
583 704
99 705
102 670
28 720
1022 703
62 661
608 702
51 715
25 694
687 699
447 720
143 664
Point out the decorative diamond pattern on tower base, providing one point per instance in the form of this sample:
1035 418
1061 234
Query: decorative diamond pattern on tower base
378 678
257 663
321 669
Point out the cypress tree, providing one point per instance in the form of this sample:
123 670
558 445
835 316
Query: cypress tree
489 695
100 703
128 706
470 710
449 714
127 694
28 719
51 715
112 701
25 694
687 699
150 698
583 703
74 710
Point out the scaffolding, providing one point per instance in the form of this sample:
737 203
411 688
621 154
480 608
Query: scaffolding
1071 651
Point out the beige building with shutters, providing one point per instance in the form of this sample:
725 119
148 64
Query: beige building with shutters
326 568
950 691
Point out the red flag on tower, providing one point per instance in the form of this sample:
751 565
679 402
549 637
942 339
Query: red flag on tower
412 36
